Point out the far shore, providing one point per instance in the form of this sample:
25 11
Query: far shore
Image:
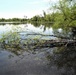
13 22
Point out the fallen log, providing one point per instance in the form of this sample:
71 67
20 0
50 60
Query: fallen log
43 44
50 44
57 43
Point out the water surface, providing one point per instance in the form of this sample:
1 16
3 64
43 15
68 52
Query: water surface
39 61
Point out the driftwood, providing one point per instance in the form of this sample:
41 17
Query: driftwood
59 43
51 43
44 44
54 43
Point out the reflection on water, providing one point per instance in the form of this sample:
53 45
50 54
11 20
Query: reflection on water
63 59
44 61
29 30
27 60
26 29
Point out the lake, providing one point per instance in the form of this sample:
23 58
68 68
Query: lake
25 59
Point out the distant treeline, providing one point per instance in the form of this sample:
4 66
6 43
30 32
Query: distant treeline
13 20
63 15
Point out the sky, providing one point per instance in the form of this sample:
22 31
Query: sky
21 8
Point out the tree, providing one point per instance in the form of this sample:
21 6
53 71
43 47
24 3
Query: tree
66 13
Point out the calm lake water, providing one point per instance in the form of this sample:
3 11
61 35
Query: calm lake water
40 61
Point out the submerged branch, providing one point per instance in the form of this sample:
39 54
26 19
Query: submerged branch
51 35
35 44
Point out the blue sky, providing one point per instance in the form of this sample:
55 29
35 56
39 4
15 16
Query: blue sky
21 8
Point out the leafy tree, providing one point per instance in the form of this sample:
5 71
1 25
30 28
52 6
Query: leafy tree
66 13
